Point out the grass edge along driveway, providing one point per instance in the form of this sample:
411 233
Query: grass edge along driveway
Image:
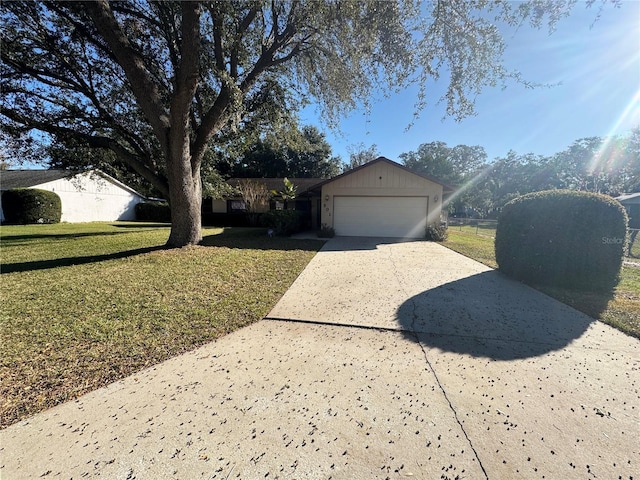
622 311
84 305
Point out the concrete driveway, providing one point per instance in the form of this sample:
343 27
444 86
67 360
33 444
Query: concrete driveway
383 360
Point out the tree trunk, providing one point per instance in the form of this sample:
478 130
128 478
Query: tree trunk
185 199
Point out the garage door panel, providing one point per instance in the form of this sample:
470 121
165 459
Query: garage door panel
380 216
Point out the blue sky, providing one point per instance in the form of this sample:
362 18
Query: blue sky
597 69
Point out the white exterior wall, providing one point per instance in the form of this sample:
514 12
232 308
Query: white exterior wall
90 197
382 179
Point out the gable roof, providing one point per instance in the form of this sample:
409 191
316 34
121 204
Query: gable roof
446 188
30 178
303 184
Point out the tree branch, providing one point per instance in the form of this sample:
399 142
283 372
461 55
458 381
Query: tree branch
242 28
217 39
45 76
214 119
81 28
187 77
137 162
170 29
144 89
277 42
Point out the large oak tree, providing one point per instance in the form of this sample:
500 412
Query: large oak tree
156 82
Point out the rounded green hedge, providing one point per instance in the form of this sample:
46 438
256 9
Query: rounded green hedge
562 238
23 206
153 212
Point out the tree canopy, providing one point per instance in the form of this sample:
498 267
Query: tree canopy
600 165
359 155
296 153
450 165
158 84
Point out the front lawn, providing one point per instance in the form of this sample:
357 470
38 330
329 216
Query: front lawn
621 311
86 304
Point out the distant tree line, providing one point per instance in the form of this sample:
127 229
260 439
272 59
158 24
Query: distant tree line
610 166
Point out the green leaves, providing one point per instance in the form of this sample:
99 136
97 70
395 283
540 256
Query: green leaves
451 165
289 191
562 238
288 152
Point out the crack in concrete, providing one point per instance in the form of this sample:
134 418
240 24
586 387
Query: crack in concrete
336 324
424 353
455 413
410 331
413 333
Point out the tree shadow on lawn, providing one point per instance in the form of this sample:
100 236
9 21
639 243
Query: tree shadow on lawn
257 239
489 315
141 225
9 240
69 261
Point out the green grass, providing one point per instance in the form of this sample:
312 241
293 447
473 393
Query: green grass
620 309
635 249
32 243
478 247
85 305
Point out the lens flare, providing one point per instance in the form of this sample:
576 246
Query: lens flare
606 154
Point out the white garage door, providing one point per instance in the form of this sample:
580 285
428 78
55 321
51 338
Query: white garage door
404 217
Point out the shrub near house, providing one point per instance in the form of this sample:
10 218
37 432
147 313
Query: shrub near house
283 222
23 206
562 238
153 212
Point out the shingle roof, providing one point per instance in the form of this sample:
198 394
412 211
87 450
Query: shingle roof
303 184
30 178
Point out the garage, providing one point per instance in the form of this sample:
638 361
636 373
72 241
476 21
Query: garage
375 216
381 199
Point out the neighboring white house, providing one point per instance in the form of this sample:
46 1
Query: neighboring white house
631 203
91 196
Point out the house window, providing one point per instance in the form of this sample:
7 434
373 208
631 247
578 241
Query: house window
237 206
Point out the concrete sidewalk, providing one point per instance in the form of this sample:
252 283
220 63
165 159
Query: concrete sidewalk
383 360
